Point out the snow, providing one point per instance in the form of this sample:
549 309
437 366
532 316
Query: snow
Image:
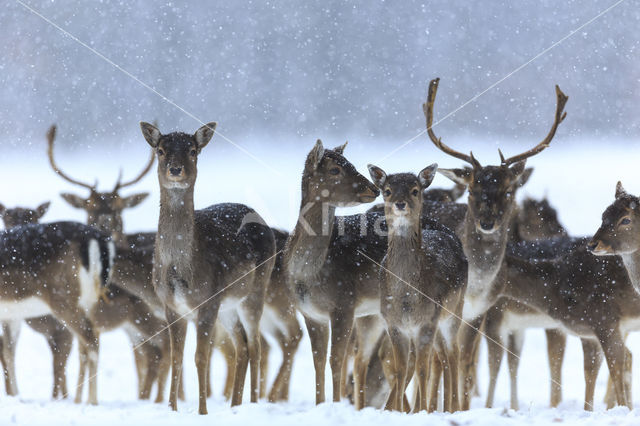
580 193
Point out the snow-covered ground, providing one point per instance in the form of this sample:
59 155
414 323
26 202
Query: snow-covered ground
578 176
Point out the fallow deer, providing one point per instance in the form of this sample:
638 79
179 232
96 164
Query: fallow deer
135 251
485 229
432 264
211 264
58 337
327 259
59 269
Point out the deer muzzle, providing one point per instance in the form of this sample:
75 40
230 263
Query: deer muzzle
368 195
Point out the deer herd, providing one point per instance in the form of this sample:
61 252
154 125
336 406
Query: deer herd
401 293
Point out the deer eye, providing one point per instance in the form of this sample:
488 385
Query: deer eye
160 151
192 153
414 192
625 221
387 192
334 171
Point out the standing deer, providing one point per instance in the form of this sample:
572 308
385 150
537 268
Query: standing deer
58 337
432 264
332 279
59 269
211 264
485 229
104 212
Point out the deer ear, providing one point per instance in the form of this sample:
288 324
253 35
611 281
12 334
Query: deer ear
151 133
42 209
427 174
457 191
378 176
133 200
340 148
620 192
74 200
459 176
315 156
2 210
204 134
524 177
518 168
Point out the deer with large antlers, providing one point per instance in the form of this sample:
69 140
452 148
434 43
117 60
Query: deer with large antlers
485 230
209 265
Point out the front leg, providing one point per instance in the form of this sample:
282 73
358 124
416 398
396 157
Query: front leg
341 326
206 320
177 333
319 337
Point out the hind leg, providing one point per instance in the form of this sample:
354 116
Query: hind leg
592 361
10 331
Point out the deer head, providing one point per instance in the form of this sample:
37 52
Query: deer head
104 209
22 216
402 194
491 188
329 177
177 154
620 227
537 219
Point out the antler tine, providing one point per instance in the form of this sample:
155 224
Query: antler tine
51 135
559 117
427 108
137 178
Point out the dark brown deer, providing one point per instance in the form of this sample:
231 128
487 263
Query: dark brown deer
58 337
485 229
327 259
424 275
211 264
59 269
104 209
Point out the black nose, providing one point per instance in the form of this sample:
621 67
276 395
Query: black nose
401 206
175 171
487 226
592 245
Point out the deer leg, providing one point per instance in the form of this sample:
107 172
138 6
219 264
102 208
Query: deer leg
401 346
10 331
177 333
341 326
265 349
319 337
165 366
229 352
60 342
139 360
152 365
495 352
434 380
556 343
82 353
288 345
467 341
516 340
592 361
614 352
207 316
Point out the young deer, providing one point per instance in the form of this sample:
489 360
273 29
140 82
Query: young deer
211 264
58 337
327 259
485 229
60 269
432 264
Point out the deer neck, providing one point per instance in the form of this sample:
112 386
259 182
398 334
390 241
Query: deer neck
632 265
404 248
176 226
310 238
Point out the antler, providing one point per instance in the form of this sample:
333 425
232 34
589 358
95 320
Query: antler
427 108
51 135
560 115
137 179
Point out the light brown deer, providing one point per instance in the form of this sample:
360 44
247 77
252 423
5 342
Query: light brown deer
327 260
58 337
485 230
424 275
59 269
211 264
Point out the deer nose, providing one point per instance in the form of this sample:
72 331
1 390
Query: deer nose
401 206
175 171
487 226
592 245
